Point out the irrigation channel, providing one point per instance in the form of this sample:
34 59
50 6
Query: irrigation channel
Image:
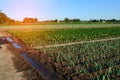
46 75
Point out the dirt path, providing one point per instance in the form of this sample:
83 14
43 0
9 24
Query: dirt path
72 43
7 70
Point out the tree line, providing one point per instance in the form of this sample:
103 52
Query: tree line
6 20
76 20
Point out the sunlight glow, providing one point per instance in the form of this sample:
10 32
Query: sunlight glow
24 8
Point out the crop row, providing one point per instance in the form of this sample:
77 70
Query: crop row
90 61
58 36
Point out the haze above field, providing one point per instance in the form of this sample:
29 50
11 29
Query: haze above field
59 9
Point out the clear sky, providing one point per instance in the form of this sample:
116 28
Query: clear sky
59 9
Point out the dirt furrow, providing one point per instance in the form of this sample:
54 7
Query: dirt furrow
73 43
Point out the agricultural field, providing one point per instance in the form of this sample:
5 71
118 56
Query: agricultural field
44 37
86 61
59 26
65 40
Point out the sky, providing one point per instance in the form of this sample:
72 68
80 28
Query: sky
60 9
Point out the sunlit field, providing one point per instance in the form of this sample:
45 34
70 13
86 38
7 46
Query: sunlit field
92 61
85 61
58 36
56 26
60 39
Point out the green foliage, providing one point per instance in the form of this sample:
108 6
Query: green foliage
66 20
104 66
94 61
3 18
58 36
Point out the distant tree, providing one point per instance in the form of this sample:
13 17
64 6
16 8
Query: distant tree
76 20
35 20
101 20
3 18
66 20
94 20
112 20
30 20
56 20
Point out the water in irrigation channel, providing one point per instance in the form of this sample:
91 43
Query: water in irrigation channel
39 68
9 39
16 46
34 64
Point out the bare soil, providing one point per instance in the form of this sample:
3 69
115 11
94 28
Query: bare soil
7 69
